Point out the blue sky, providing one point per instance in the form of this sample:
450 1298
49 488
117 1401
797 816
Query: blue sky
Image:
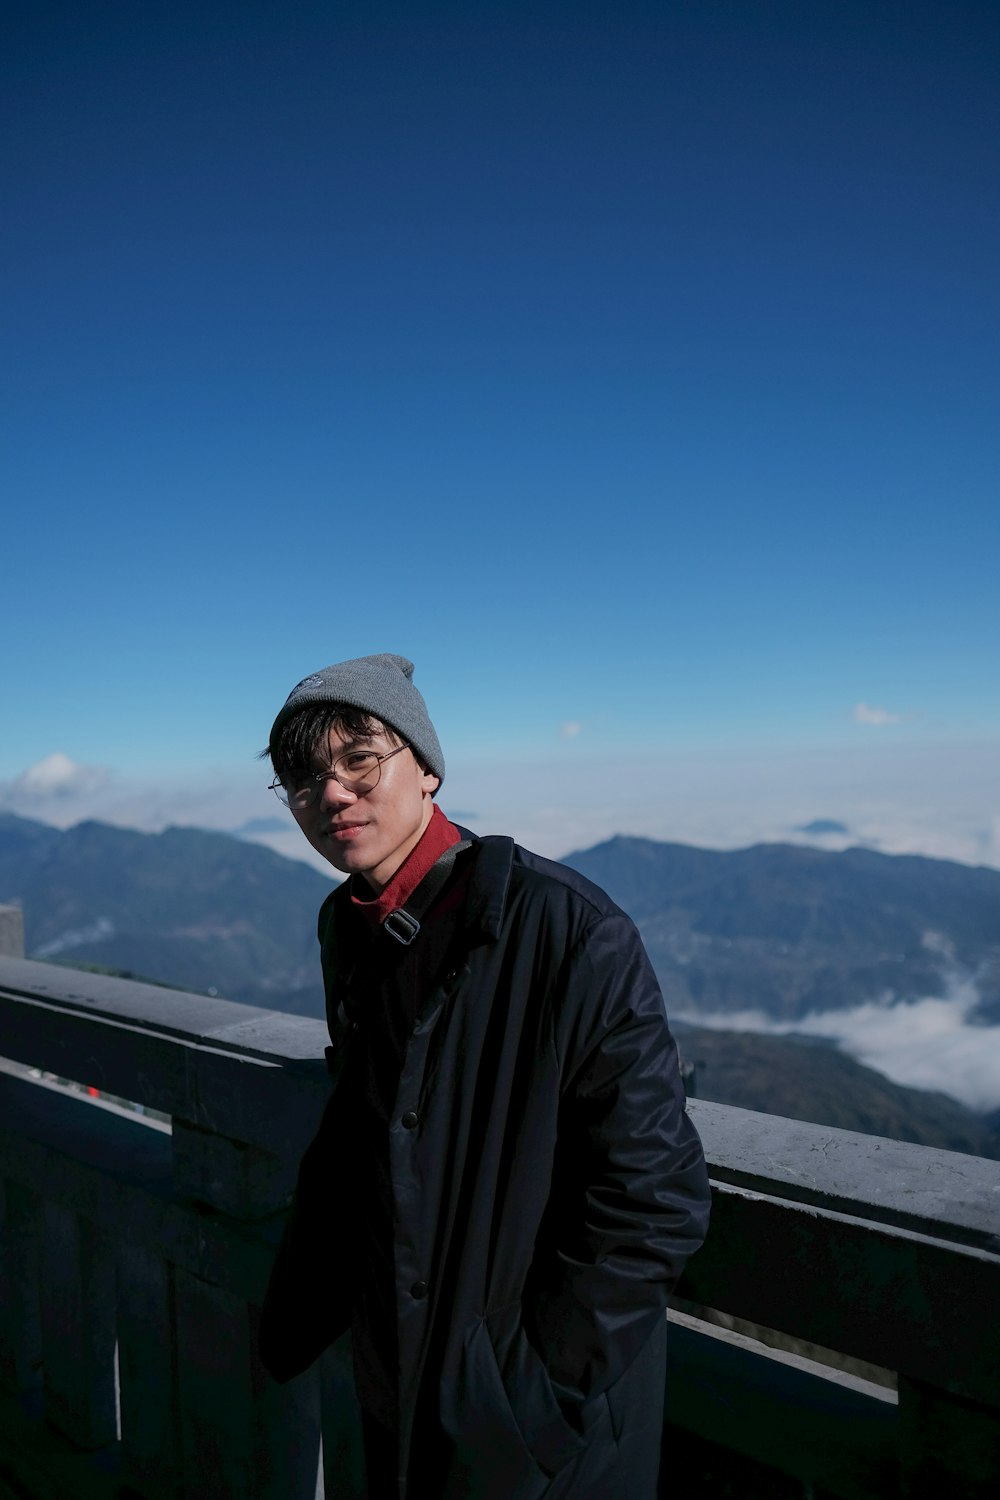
632 368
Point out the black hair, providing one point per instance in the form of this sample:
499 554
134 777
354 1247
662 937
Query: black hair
303 736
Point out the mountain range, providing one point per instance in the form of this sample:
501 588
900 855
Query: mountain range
783 931
199 910
788 930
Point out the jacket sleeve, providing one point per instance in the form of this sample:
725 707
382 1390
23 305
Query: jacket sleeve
630 1199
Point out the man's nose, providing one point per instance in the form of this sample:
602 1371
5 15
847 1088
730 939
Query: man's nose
332 794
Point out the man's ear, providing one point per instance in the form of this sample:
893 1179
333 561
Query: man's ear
431 782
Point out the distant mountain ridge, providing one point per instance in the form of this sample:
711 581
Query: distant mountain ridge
200 910
781 928
788 930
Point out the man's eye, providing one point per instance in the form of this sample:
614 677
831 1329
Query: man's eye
359 760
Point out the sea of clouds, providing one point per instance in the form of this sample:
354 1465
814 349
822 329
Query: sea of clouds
931 1043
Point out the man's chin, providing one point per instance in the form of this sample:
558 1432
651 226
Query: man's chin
338 856
347 860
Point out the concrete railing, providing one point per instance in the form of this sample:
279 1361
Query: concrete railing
135 1253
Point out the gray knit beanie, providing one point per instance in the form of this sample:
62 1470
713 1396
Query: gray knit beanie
380 685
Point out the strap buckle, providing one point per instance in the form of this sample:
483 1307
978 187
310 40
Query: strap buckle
400 925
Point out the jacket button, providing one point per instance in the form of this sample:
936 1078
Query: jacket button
409 1120
418 1291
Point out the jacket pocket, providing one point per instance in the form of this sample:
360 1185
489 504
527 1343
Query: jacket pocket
507 1434
527 1392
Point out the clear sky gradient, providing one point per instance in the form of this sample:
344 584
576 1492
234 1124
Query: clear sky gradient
631 367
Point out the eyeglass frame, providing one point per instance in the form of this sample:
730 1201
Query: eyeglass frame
277 786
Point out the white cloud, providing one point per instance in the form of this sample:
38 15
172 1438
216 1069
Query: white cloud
54 777
926 1044
95 933
864 713
570 729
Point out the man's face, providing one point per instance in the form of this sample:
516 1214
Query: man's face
369 833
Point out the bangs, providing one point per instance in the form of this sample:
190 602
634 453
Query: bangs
302 739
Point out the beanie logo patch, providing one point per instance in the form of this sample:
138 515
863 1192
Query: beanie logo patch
307 682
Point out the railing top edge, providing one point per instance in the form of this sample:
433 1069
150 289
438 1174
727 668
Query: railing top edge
198 1020
945 1194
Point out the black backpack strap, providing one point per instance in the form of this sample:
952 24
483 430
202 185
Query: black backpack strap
403 924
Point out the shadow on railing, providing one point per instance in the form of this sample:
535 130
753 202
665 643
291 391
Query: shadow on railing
135 1254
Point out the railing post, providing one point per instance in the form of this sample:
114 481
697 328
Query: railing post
78 1328
948 1446
287 1431
147 1365
20 1324
343 1450
263 1440
242 1437
214 1390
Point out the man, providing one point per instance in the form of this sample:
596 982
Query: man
505 1185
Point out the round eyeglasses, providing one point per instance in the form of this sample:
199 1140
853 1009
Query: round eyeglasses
357 771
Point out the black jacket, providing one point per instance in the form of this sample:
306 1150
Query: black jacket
548 1188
